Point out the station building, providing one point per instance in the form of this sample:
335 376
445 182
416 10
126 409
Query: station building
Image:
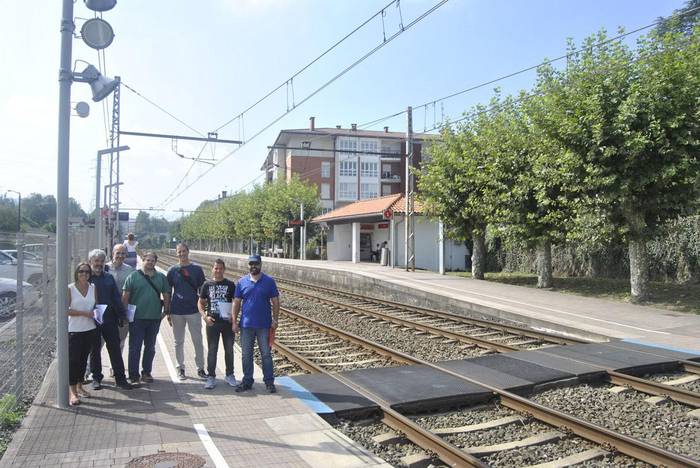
356 232
359 175
345 164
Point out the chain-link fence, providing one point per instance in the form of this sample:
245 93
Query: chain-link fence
28 310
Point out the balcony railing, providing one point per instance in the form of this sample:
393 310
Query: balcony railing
388 177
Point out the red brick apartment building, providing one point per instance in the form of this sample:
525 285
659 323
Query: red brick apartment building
345 164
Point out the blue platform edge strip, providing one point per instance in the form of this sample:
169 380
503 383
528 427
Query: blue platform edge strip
309 399
656 345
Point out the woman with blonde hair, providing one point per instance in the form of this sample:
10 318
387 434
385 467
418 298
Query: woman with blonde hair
81 329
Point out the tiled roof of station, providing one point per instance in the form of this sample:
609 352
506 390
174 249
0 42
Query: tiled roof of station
370 207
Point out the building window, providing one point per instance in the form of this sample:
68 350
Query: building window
348 144
368 191
347 191
348 168
368 169
369 145
386 189
325 169
325 191
386 171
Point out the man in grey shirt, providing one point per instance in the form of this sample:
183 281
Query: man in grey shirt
120 271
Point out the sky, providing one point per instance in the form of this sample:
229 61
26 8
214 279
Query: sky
205 62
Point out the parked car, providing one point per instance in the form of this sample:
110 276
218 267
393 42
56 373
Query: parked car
8 296
28 256
33 272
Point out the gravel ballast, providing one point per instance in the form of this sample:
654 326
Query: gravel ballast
407 341
666 425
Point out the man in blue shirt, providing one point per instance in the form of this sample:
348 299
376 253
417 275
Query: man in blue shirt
261 307
185 279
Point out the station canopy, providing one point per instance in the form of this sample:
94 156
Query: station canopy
370 210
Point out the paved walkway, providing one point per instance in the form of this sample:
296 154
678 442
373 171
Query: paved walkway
649 325
113 426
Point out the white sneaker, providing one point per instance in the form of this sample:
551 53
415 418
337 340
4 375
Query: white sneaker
211 383
231 380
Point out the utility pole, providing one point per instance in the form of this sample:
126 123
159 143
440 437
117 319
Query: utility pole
65 79
114 161
99 230
409 224
302 233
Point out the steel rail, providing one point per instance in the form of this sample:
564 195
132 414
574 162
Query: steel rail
600 435
655 388
690 366
397 356
410 324
297 358
447 452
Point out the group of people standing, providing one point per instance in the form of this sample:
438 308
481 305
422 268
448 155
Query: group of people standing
133 303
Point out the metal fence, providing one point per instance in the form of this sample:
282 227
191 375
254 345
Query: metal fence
28 309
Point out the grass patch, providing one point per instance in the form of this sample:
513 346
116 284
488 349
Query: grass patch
10 417
677 297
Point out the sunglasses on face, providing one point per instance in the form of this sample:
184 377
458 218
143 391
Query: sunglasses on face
254 264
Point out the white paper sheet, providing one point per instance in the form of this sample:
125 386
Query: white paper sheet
130 312
224 309
99 312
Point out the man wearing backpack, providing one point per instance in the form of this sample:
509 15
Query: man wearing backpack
143 289
186 279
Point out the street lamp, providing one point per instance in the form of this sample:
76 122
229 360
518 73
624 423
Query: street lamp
19 208
101 85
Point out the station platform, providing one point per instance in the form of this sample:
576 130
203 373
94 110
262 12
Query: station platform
586 317
173 421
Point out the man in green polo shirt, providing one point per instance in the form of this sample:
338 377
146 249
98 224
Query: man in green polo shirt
143 289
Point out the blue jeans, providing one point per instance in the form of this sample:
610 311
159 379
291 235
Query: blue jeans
248 336
142 333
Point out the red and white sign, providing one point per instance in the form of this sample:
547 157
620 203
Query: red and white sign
388 213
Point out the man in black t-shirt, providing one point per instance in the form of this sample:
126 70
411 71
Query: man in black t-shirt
215 300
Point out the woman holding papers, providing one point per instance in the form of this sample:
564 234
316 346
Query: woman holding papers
81 329
215 300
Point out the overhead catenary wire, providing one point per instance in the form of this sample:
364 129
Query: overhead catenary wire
161 109
529 68
498 105
315 92
305 67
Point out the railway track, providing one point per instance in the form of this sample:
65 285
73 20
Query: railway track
552 425
487 335
555 425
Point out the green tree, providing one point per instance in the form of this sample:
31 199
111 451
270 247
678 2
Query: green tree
527 179
8 218
631 120
683 20
452 187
